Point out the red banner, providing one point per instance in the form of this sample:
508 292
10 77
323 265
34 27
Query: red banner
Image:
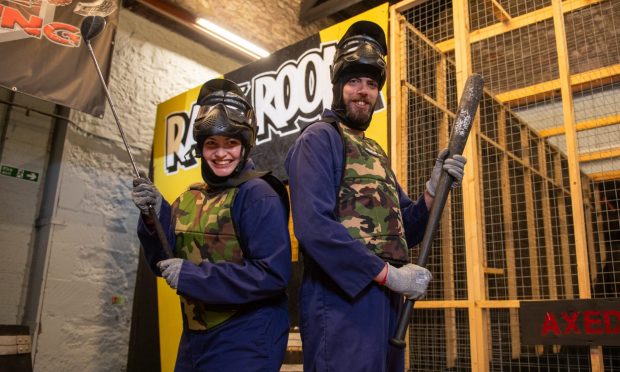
42 51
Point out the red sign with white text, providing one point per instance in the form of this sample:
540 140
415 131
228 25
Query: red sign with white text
570 322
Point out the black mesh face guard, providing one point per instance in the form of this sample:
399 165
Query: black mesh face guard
354 43
225 113
239 115
228 98
236 107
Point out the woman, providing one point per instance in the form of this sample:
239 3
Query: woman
231 244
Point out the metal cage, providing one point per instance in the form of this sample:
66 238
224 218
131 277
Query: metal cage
538 214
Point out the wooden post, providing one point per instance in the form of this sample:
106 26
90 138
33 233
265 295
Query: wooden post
589 225
600 226
547 226
398 116
398 110
511 267
563 225
530 219
572 153
529 213
472 205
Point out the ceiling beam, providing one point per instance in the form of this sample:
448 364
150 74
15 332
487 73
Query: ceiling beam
579 82
184 23
583 125
307 5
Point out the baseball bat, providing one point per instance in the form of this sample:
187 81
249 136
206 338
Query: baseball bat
465 114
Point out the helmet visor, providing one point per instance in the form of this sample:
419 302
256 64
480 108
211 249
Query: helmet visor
363 52
359 53
234 107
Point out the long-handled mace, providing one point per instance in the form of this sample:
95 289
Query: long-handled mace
91 26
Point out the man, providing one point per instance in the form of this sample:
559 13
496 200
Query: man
353 221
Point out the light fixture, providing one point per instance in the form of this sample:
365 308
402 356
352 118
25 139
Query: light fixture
186 18
231 39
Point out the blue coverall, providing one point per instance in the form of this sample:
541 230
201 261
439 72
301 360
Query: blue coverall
255 338
346 318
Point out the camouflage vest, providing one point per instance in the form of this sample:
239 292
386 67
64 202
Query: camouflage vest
368 203
205 231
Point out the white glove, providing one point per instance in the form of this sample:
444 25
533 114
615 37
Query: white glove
145 194
410 280
454 165
170 270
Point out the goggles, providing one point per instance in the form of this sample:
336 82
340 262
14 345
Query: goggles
235 108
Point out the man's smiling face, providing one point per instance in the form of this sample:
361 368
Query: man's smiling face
359 95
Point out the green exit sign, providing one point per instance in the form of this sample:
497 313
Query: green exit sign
24 174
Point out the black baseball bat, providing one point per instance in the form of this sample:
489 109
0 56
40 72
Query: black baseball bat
465 114
91 26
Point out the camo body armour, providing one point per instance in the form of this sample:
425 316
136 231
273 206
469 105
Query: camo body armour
205 230
368 203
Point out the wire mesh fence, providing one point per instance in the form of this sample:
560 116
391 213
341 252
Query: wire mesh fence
534 240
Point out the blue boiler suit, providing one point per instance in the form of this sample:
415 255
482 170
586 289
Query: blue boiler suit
346 318
255 338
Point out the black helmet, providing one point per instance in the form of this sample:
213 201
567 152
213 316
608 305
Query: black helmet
224 111
362 49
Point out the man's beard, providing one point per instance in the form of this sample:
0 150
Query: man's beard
357 118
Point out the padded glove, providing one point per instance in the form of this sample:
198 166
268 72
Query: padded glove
454 165
145 194
170 270
410 280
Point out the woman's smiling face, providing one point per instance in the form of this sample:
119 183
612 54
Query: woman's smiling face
222 154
